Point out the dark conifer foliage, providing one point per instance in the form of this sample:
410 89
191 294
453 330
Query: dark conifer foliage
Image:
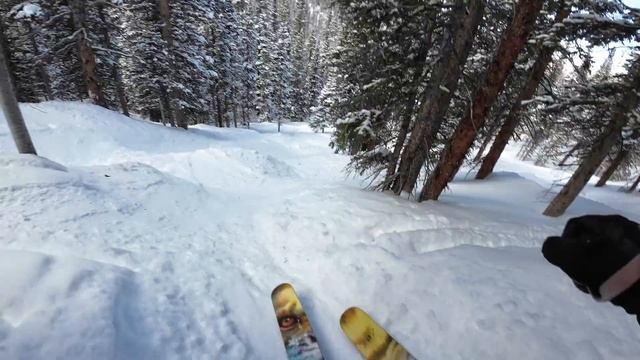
179 62
403 119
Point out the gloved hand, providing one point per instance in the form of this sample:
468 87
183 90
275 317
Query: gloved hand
601 254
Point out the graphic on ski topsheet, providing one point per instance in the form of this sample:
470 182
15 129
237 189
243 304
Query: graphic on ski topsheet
295 328
371 340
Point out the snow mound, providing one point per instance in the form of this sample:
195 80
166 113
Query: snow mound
65 308
31 169
96 136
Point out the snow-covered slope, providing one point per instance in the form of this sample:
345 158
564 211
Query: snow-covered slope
130 240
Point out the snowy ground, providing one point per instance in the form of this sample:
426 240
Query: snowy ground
135 241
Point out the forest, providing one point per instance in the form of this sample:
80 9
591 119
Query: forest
411 90
319 179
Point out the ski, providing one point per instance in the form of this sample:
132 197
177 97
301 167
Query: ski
372 341
295 328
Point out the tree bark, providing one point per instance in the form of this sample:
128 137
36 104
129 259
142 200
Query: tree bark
86 53
536 74
456 46
512 42
615 163
599 151
11 110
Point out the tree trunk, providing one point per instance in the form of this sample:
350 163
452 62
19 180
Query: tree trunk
166 106
536 74
219 111
225 112
512 42
165 14
11 110
115 72
634 185
86 53
606 175
167 35
234 109
181 120
120 92
408 114
599 150
455 48
393 162
163 117
487 139
244 116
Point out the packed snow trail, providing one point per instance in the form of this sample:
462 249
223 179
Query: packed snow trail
129 240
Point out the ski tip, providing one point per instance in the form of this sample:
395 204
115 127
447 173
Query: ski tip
349 314
371 340
280 288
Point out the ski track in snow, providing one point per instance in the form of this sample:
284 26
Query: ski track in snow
155 243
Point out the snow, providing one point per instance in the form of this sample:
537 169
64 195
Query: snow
130 240
26 10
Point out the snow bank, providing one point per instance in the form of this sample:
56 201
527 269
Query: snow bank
131 240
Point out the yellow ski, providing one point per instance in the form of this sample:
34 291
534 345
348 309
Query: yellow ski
295 328
371 340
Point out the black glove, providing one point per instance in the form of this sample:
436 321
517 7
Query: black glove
601 254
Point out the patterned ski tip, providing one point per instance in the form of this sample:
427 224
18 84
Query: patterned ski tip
295 328
371 340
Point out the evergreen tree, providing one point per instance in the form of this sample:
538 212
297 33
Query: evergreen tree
300 62
627 103
26 59
146 73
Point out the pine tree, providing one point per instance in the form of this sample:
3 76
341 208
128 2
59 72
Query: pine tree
443 83
300 63
513 40
247 53
628 103
146 75
534 78
601 23
266 67
27 56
